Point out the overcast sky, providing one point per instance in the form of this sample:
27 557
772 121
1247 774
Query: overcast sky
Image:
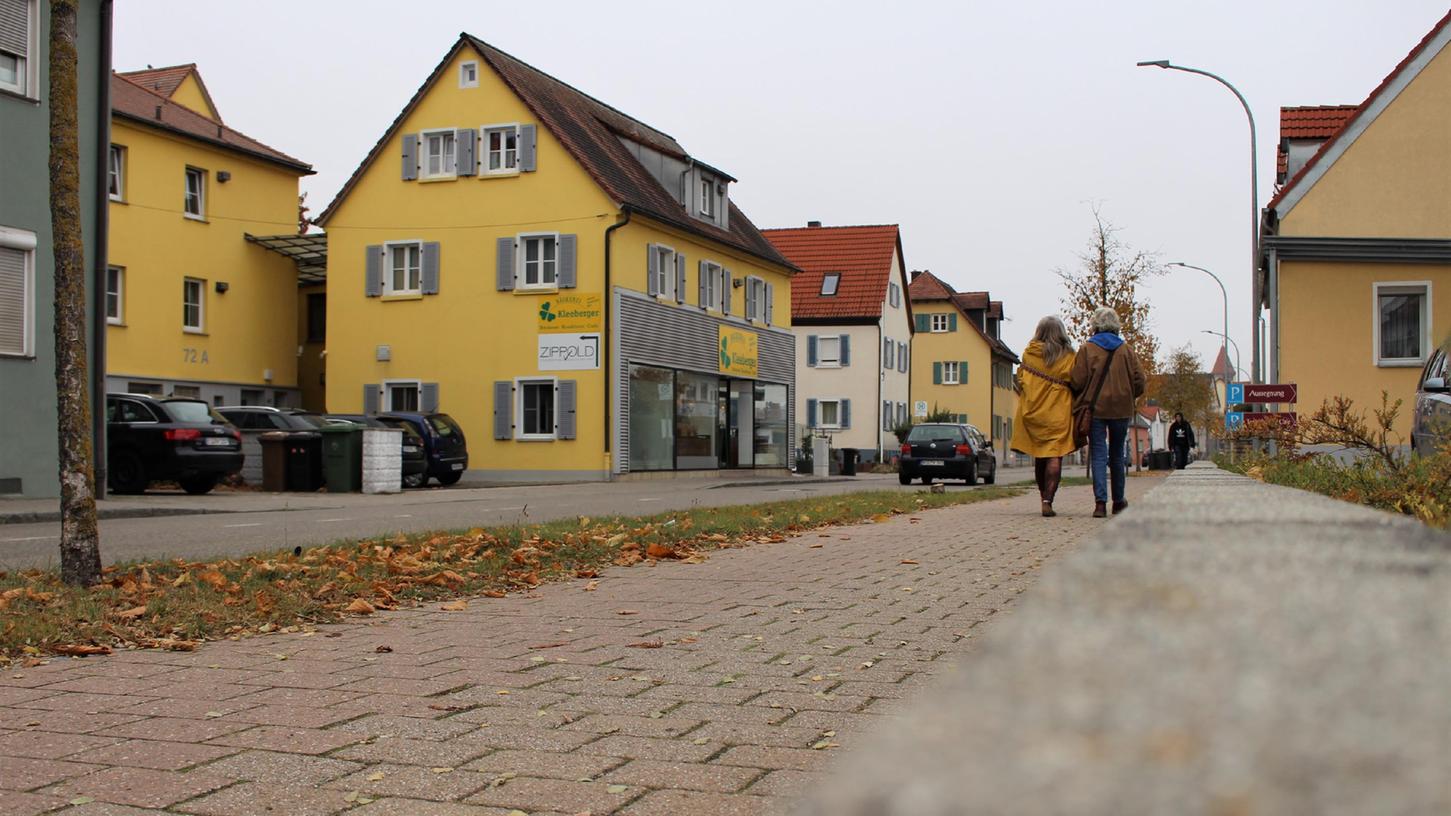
986 130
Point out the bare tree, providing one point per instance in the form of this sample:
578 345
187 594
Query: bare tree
1110 274
80 546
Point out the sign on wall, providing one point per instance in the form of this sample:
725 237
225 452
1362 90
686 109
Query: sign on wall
919 409
569 312
569 352
739 352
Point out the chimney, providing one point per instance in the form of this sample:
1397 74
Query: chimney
915 273
158 113
813 224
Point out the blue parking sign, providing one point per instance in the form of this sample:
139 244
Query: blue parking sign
1234 420
1235 393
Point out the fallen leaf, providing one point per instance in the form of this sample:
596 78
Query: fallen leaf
360 607
441 770
80 649
591 586
813 546
455 606
383 649
616 789
647 644
628 612
908 561
375 777
659 550
82 800
495 593
823 745
132 613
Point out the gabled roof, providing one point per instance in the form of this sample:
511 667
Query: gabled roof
1365 113
1318 122
147 107
166 80
861 255
1222 367
590 130
928 287
971 300
995 310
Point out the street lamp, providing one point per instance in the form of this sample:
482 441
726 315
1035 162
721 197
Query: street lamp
1223 294
1231 342
1254 195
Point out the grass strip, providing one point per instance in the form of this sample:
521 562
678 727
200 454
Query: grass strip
177 604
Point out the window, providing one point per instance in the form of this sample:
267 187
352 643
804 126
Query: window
468 74
829 413
252 396
889 356
116 185
829 282
401 395
17 292
712 285
939 322
707 198
130 412
317 317
663 271
502 145
438 154
196 191
949 373
1402 323
828 350
757 300
405 269
151 389
187 391
193 291
16 35
540 264
894 295
536 409
115 277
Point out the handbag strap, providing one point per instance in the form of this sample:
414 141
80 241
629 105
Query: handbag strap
1036 373
1098 389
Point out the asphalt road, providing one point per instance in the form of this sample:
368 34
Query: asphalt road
320 521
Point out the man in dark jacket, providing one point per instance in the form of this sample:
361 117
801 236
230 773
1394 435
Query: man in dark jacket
1181 439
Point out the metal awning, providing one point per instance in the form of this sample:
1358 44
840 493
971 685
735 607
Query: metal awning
308 251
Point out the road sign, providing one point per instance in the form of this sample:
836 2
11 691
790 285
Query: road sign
1235 420
1261 393
1235 394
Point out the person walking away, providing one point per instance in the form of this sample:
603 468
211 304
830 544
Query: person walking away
1043 427
1181 439
1107 374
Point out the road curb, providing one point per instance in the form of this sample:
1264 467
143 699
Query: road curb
117 513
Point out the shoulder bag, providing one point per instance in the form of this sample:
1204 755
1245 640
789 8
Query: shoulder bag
1083 412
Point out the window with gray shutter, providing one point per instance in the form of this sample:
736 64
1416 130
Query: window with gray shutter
465 161
725 291
846 413
845 350
410 156
430 268
750 298
652 269
567 276
886 415
15 43
527 148
373 271
770 289
564 416
371 394
504 264
14 293
503 410
428 398
811 350
703 271
902 358
811 413
887 356
679 277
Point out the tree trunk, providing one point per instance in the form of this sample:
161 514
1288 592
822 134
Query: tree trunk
80 547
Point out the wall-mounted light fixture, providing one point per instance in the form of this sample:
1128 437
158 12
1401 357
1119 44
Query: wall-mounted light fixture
222 287
224 176
737 283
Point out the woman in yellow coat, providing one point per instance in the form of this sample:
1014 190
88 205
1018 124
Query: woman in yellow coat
1043 428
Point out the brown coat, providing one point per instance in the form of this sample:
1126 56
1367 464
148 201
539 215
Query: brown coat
1125 383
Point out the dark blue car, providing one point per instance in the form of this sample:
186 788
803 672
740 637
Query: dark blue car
443 440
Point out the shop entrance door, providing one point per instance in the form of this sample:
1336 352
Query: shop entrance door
737 423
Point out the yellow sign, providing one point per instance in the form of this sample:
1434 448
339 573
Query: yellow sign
571 313
737 352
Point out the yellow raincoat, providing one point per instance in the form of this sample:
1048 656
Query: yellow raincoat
1043 427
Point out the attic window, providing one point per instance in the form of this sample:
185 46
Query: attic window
468 75
707 198
829 283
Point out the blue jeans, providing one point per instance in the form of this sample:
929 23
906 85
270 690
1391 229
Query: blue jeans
1109 435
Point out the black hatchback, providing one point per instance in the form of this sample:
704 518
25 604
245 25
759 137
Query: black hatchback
182 440
443 440
946 451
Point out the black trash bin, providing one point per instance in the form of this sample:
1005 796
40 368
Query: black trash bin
274 461
1161 460
304 461
848 461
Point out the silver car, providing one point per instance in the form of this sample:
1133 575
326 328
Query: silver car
1431 420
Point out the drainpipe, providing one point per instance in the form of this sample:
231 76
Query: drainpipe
101 244
607 371
881 375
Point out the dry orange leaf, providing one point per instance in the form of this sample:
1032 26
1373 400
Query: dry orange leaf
360 607
132 614
495 593
647 644
628 612
908 561
658 550
455 606
80 649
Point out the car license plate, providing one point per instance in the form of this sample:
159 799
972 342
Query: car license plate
458 465
932 463
218 442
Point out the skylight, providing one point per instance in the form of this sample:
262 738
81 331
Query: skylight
829 283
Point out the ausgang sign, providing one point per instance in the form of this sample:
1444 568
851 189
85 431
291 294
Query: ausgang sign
569 352
738 352
567 313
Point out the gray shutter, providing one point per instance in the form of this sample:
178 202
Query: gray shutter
564 400
769 297
811 350
886 415
428 398
811 413
887 354
373 271
845 350
464 160
410 156
703 283
504 265
430 268
371 393
679 277
568 277
725 290
902 357
503 410
952 321
652 270
15 28
526 148
846 413
750 298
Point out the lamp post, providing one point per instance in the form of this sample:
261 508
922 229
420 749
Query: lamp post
1254 197
1231 342
1224 294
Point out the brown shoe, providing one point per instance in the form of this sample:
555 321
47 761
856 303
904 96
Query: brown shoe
1120 506
1100 510
1048 511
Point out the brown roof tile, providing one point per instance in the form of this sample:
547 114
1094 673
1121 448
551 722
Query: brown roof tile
862 255
166 80
927 286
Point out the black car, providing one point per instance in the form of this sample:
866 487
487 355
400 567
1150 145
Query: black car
443 441
415 455
947 451
265 418
182 440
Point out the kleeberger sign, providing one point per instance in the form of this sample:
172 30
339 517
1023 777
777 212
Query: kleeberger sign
567 313
739 352
569 352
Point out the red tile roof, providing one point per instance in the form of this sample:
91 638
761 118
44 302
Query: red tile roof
1222 367
1308 122
147 107
1360 110
862 255
166 80
928 287
971 300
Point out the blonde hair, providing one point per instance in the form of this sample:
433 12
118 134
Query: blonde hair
1105 320
1053 336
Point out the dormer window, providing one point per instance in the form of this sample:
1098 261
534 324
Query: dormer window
707 198
829 283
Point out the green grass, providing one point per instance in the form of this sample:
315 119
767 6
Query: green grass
1420 486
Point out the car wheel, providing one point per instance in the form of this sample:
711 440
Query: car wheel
415 479
971 477
199 485
926 480
451 477
992 475
127 474
903 478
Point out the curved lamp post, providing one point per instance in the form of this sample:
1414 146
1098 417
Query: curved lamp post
1231 342
1254 195
1224 294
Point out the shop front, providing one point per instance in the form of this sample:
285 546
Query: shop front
699 392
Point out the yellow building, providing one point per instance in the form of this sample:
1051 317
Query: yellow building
1357 243
565 281
959 363
193 306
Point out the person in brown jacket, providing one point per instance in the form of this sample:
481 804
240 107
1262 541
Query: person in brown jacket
1107 358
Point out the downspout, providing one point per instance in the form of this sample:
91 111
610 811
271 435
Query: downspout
102 251
1272 374
881 375
608 372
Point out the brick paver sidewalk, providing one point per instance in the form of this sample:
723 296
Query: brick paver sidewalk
714 688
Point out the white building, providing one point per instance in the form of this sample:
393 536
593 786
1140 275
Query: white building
853 326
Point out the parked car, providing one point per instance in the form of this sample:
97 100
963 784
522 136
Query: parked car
446 449
1431 420
267 418
182 440
947 451
415 457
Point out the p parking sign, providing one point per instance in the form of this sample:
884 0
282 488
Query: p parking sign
1234 394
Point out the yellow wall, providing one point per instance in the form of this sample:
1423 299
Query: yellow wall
311 365
973 397
189 94
247 329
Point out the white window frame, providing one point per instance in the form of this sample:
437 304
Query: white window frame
835 279
938 320
387 398
759 316
707 198
388 288
24 242
201 196
116 172
119 318
504 169
714 283
464 70
665 268
821 358
889 354
519 384
425 140
955 377
25 73
821 413
201 305
521 269
1401 288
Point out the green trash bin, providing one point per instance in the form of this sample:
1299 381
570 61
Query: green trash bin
342 458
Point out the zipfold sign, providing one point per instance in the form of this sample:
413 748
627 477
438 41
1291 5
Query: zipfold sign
569 352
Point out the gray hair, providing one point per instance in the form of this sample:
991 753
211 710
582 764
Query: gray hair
1105 320
1054 338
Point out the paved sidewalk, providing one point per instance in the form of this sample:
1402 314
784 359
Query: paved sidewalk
715 688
